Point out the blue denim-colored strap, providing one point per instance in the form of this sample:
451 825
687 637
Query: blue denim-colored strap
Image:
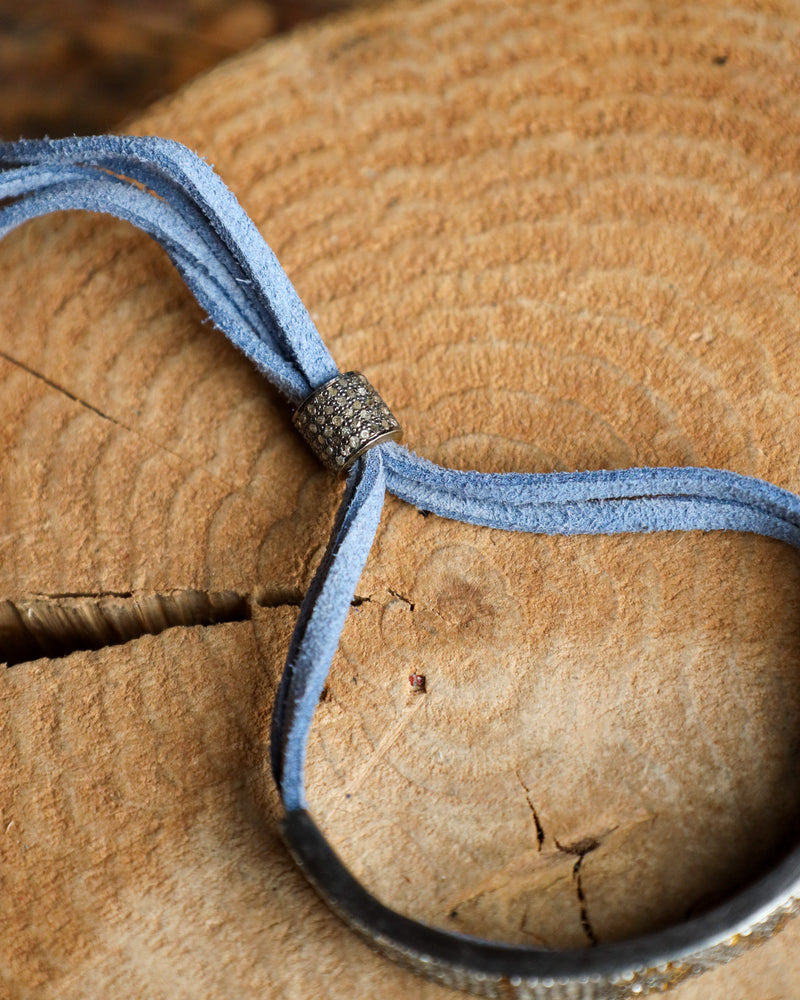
174 196
606 502
223 238
320 622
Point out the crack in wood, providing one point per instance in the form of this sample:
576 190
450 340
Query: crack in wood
401 597
534 814
59 388
55 625
105 416
277 597
581 848
586 924
94 594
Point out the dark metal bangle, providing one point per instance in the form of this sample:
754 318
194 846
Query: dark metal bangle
651 963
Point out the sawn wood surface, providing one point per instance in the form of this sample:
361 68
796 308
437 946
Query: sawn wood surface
555 236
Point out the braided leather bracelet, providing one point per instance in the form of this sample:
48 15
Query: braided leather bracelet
176 198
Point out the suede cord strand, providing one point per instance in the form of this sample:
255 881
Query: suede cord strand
173 195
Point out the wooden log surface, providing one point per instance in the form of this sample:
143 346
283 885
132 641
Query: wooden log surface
556 236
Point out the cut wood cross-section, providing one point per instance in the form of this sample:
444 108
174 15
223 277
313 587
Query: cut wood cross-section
554 237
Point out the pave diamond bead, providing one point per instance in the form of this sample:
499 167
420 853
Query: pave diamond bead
344 418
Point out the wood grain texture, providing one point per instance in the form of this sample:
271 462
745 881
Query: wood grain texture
556 236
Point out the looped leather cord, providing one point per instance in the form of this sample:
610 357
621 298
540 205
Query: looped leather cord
172 194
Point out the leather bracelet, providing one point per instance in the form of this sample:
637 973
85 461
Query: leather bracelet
173 195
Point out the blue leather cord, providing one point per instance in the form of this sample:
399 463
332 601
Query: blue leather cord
174 196
179 201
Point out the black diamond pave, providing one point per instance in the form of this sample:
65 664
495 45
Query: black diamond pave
342 419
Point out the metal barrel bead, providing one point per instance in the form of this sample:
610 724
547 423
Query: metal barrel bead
344 418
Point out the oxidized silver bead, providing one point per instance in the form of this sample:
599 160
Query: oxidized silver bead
344 418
